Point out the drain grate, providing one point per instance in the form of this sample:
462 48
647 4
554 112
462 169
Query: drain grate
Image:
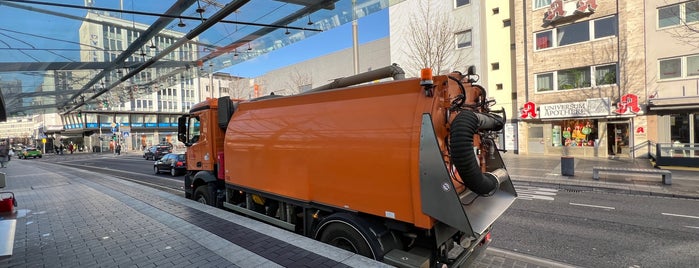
576 189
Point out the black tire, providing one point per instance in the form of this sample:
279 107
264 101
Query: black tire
156 169
201 195
173 172
343 235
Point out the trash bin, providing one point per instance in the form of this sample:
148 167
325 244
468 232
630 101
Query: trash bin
568 166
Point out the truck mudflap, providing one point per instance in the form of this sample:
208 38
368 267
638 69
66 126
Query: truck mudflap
468 212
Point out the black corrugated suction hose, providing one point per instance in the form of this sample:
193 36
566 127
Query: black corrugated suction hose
464 126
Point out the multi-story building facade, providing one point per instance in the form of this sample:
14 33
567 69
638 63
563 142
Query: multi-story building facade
221 84
141 115
672 73
581 76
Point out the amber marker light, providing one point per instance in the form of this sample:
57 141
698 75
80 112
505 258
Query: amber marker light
426 77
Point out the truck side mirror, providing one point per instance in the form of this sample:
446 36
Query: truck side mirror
226 108
182 128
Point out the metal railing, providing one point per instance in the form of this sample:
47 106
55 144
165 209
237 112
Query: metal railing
674 154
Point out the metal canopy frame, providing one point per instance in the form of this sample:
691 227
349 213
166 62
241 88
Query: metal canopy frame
266 28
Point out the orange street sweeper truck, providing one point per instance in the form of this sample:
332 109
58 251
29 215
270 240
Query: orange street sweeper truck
406 171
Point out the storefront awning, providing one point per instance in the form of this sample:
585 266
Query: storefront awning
673 105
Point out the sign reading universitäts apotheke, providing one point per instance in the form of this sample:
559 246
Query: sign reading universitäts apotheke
591 107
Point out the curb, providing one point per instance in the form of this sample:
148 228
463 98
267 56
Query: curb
616 190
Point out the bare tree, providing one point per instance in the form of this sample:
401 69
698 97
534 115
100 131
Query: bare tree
298 79
430 42
239 88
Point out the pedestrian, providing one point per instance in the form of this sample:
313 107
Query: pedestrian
4 155
118 149
71 147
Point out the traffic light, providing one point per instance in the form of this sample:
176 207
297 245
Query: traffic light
114 137
80 114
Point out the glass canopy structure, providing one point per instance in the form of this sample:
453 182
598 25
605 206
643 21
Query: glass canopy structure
61 56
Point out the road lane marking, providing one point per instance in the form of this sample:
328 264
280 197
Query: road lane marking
693 227
680 215
531 193
592 206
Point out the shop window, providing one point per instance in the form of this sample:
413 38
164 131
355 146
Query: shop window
544 82
669 16
575 133
670 68
573 33
679 128
574 78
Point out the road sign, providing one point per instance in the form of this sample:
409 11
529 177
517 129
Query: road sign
114 130
43 140
126 134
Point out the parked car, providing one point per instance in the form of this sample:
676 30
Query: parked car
175 163
156 152
30 152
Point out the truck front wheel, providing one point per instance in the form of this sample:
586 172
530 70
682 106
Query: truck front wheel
342 235
201 195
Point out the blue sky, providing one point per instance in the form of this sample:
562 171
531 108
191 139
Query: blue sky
370 28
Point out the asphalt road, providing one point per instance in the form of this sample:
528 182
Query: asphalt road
130 167
591 229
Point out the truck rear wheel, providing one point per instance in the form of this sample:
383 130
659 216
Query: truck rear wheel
201 195
344 236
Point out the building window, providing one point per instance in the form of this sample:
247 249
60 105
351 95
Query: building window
577 33
506 23
577 78
691 11
605 27
460 3
670 68
496 10
544 82
463 39
541 3
693 65
498 86
543 39
669 16
495 66
574 78
605 75
573 33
